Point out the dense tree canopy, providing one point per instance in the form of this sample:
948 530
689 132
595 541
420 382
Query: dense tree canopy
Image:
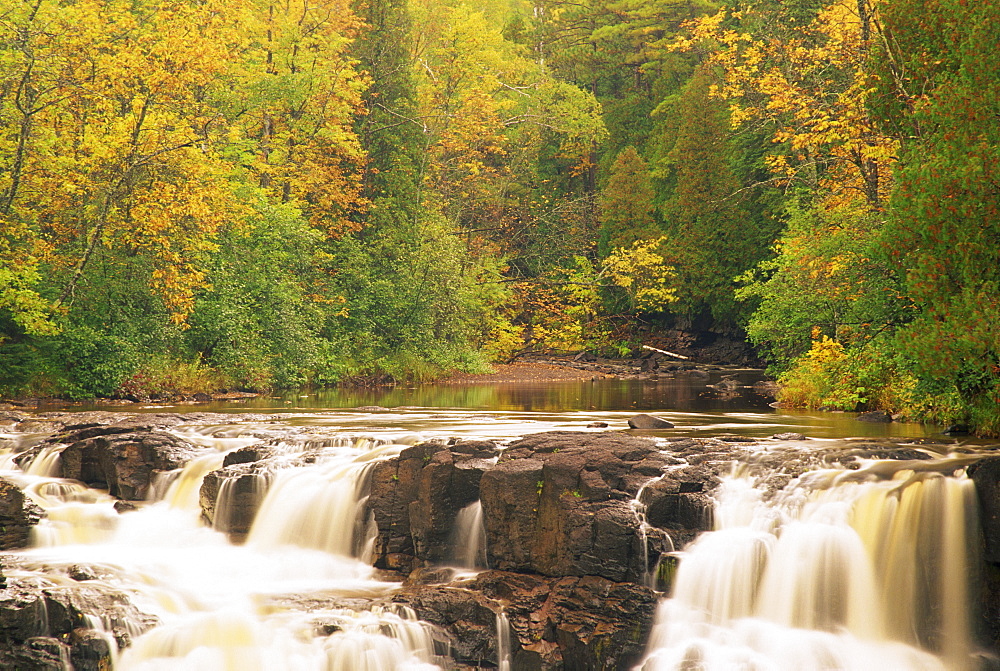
254 194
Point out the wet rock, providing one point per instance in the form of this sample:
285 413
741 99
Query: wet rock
249 454
231 496
125 463
876 416
680 504
90 650
571 623
986 475
124 507
789 436
644 421
39 653
597 425
558 504
36 624
18 515
80 573
467 617
415 500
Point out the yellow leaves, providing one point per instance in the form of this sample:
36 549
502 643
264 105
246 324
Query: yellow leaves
825 351
812 84
642 272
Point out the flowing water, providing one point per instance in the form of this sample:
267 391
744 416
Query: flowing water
839 569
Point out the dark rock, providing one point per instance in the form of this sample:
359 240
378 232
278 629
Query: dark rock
246 455
124 507
18 515
469 619
34 619
415 500
597 425
202 397
644 421
126 463
573 623
956 430
679 502
877 416
81 573
986 475
39 653
559 504
90 650
231 496
789 436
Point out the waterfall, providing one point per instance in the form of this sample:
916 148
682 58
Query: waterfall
841 569
469 537
649 577
46 462
503 642
319 507
184 488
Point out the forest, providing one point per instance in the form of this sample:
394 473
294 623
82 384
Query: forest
256 194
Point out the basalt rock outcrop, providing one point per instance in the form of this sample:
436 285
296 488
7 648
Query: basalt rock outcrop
49 628
559 504
18 515
416 497
125 463
231 496
580 623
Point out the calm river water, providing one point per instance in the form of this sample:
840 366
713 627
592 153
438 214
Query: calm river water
514 409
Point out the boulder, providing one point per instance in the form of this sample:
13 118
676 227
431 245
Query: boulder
644 421
679 503
125 463
875 416
18 515
986 474
416 497
559 504
231 496
571 623
40 626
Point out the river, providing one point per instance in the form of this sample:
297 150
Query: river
832 572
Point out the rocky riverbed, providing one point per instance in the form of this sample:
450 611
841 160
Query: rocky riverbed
580 529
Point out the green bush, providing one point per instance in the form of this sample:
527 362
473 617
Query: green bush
91 364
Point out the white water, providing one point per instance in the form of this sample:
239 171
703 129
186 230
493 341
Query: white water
226 607
469 539
842 570
503 642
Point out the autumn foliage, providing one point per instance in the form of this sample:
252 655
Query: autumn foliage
267 194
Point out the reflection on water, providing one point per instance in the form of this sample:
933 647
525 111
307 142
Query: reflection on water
516 408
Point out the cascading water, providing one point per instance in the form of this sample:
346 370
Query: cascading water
469 538
226 607
841 569
503 642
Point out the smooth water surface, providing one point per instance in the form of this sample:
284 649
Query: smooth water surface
516 408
